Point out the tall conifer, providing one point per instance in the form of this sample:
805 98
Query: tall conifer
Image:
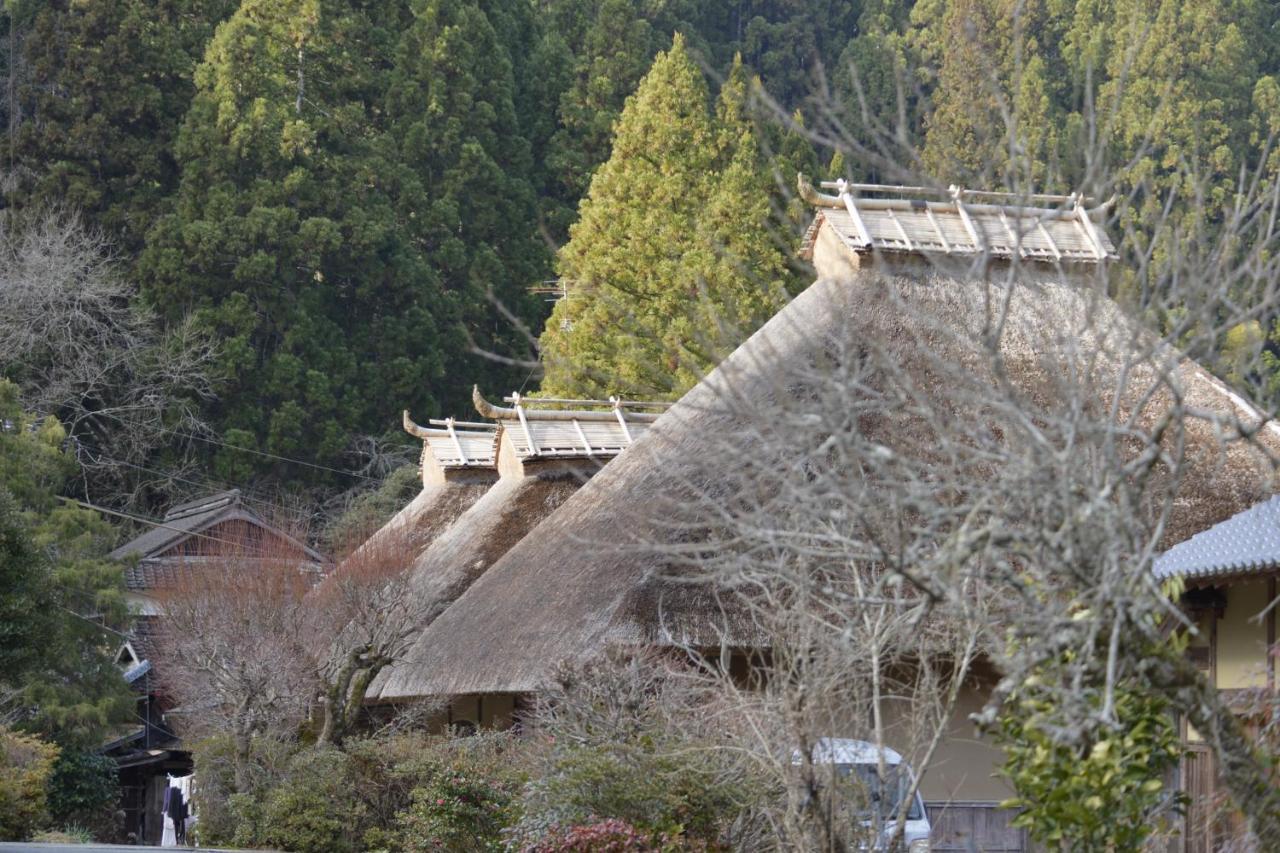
673 259
102 91
285 237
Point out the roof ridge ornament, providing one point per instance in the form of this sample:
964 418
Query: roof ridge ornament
933 221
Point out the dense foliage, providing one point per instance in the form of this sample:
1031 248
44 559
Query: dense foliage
355 197
26 763
58 591
1105 795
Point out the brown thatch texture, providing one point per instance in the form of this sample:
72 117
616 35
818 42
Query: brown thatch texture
599 569
432 512
480 536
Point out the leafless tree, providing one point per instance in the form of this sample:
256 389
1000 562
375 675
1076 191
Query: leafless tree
979 462
361 619
231 651
81 346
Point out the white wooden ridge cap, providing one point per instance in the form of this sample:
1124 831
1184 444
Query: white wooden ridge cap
867 217
457 444
539 428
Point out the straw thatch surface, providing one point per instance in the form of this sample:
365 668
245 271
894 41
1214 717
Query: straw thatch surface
433 511
575 584
487 530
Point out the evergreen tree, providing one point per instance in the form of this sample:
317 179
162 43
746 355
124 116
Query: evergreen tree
58 595
466 188
673 258
994 120
286 238
96 133
614 42
1180 80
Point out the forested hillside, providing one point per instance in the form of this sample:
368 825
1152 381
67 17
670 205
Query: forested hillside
325 211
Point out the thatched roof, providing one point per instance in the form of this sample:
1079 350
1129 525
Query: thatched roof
569 588
544 456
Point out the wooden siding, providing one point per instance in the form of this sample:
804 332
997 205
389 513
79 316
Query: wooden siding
975 826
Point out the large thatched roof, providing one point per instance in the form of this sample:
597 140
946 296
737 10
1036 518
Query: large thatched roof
583 578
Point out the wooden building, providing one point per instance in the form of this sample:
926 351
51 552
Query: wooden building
191 533
1230 576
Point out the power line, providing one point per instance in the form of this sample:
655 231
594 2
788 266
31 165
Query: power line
247 495
215 441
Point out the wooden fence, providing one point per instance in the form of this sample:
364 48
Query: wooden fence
975 828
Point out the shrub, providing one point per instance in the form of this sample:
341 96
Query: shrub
225 817
26 765
68 835
317 808
605 836
458 810
464 792
84 793
1103 792
657 793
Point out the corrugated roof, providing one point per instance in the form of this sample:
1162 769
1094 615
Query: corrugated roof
202 505
192 519
1246 543
182 522
866 221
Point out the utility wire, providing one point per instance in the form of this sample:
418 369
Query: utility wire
266 454
245 494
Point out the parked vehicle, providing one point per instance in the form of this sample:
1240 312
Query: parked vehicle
875 800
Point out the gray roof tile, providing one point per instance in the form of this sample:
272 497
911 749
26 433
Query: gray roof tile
1245 543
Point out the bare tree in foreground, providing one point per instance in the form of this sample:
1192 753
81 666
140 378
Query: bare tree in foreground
231 648
361 619
952 459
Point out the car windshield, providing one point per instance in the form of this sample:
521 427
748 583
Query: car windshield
884 798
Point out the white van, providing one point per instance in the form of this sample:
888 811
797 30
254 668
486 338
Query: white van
859 761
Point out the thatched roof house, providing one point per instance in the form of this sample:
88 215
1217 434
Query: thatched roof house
602 569
543 454
459 464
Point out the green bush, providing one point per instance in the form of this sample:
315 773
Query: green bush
225 818
458 810
84 793
68 835
317 808
26 766
658 793
1102 792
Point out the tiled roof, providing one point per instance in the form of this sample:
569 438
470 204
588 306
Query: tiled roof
966 223
181 522
1247 542
142 637
152 574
